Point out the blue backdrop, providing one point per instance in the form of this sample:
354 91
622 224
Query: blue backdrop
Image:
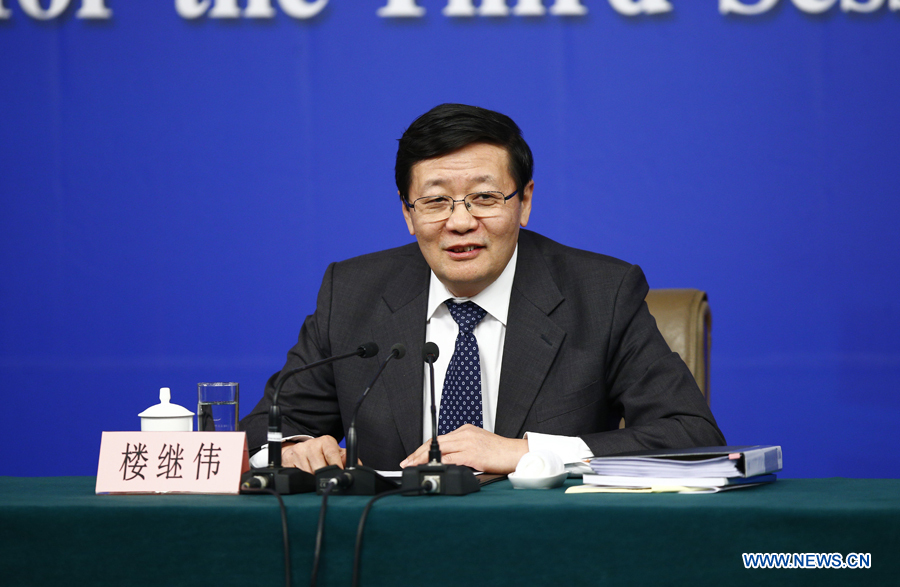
174 185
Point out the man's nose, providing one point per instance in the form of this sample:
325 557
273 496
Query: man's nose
461 220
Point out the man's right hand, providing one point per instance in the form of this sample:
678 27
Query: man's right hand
313 454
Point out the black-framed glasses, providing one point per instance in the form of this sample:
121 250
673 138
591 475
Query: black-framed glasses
479 205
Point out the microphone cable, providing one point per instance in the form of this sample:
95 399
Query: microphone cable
285 535
357 551
320 531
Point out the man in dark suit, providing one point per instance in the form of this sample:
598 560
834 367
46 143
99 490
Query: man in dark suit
563 345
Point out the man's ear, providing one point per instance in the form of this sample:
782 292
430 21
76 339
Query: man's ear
406 216
525 203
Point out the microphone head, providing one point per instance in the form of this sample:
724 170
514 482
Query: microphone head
369 349
430 352
398 350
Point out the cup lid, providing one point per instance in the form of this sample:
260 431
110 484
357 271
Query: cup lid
165 409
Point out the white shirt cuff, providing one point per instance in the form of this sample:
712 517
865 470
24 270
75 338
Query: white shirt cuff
571 449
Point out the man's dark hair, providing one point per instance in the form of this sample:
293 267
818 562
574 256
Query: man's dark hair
450 127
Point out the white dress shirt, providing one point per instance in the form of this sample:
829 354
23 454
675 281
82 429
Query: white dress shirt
442 329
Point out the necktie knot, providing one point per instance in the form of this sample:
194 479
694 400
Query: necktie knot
467 315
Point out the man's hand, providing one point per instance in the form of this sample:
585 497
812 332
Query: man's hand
313 454
471 446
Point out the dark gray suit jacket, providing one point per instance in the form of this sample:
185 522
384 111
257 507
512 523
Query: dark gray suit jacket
581 351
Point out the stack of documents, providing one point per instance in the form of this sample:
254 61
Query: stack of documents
695 470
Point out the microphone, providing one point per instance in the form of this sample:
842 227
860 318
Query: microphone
437 478
430 354
357 479
367 350
289 480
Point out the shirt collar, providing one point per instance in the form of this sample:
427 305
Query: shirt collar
494 299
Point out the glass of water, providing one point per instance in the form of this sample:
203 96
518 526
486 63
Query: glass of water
217 407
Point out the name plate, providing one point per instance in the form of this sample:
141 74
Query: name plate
172 462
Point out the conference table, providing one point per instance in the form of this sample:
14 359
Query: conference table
56 531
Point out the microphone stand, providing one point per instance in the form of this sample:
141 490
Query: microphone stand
357 479
290 480
436 478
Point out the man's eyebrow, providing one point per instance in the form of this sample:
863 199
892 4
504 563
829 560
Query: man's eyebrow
485 179
434 182
440 182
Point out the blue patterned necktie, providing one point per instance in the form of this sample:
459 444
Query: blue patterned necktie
461 398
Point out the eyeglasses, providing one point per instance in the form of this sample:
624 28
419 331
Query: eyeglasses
479 205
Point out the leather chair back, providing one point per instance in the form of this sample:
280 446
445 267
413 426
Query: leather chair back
685 321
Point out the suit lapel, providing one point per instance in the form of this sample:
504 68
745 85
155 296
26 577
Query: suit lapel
532 338
407 301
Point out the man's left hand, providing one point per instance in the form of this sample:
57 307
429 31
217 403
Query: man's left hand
474 447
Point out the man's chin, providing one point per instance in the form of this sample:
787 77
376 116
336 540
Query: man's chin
467 285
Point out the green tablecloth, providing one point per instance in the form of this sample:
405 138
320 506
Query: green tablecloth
54 530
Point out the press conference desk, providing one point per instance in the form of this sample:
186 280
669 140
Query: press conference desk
55 531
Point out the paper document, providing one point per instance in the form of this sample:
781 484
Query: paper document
711 461
623 481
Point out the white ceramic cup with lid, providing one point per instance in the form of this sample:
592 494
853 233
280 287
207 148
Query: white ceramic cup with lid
166 416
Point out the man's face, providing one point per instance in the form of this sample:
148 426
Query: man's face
466 253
